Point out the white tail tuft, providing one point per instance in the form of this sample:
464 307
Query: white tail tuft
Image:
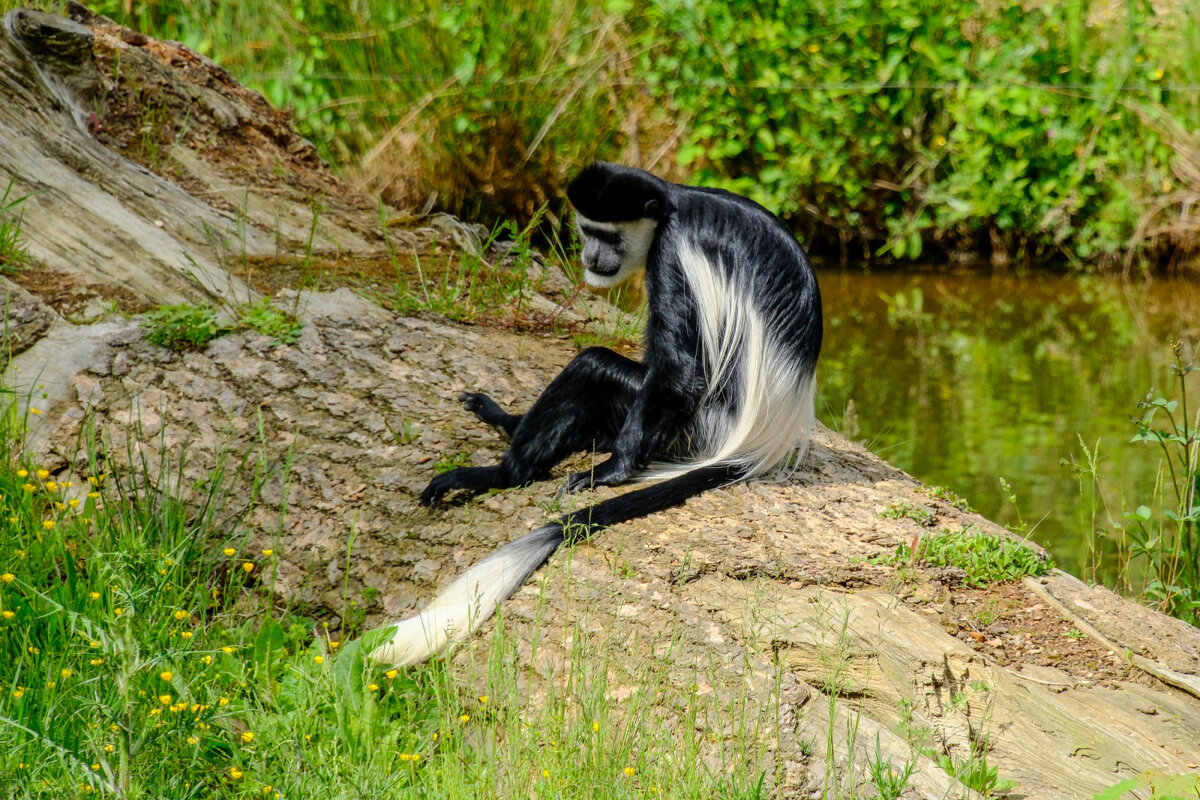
466 604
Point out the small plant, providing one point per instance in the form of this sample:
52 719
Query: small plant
13 255
267 319
889 781
986 558
917 514
1161 787
947 494
975 773
1166 533
451 461
184 326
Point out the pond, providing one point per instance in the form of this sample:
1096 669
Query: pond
965 379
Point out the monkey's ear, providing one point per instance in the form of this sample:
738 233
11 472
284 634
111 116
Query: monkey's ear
650 209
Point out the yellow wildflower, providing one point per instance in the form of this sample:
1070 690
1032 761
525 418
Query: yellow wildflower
206 659
465 718
165 699
629 772
227 649
483 698
95 662
248 566
595 727
8 577
229 551
248 737
268 552
43 473
51 486
181 615
235 773
374 687
73 502
108 748
67 672
405 757
22 473
193 740
166 675
185 634
224 701
7 614
319 659
48 524
93 595
391 674
19 692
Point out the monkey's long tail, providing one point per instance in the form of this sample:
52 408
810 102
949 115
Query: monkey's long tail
473 596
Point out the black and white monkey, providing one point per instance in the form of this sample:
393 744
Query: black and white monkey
724 393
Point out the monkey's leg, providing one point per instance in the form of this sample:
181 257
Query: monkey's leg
583 408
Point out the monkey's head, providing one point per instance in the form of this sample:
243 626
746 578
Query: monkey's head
618 210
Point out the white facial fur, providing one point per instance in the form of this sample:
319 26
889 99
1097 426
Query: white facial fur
627 254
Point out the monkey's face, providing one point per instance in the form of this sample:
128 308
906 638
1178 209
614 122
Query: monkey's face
613 252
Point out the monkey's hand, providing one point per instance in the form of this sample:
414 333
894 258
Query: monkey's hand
472 480
611 473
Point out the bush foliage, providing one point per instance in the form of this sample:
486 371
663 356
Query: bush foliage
874 126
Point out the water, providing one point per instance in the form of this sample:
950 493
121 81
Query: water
962 380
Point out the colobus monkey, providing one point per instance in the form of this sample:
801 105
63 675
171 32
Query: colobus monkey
724 393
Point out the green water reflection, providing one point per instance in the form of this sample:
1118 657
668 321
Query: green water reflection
965 379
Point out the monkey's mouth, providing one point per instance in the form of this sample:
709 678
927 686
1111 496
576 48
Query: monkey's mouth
600 269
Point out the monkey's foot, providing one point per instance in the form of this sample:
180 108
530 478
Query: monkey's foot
490 412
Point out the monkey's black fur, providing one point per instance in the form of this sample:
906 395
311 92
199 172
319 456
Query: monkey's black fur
724 390
640 412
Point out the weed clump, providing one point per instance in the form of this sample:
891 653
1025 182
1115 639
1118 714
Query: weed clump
984 557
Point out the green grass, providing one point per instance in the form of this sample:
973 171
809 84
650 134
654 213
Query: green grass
13 255
143 655
985 558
